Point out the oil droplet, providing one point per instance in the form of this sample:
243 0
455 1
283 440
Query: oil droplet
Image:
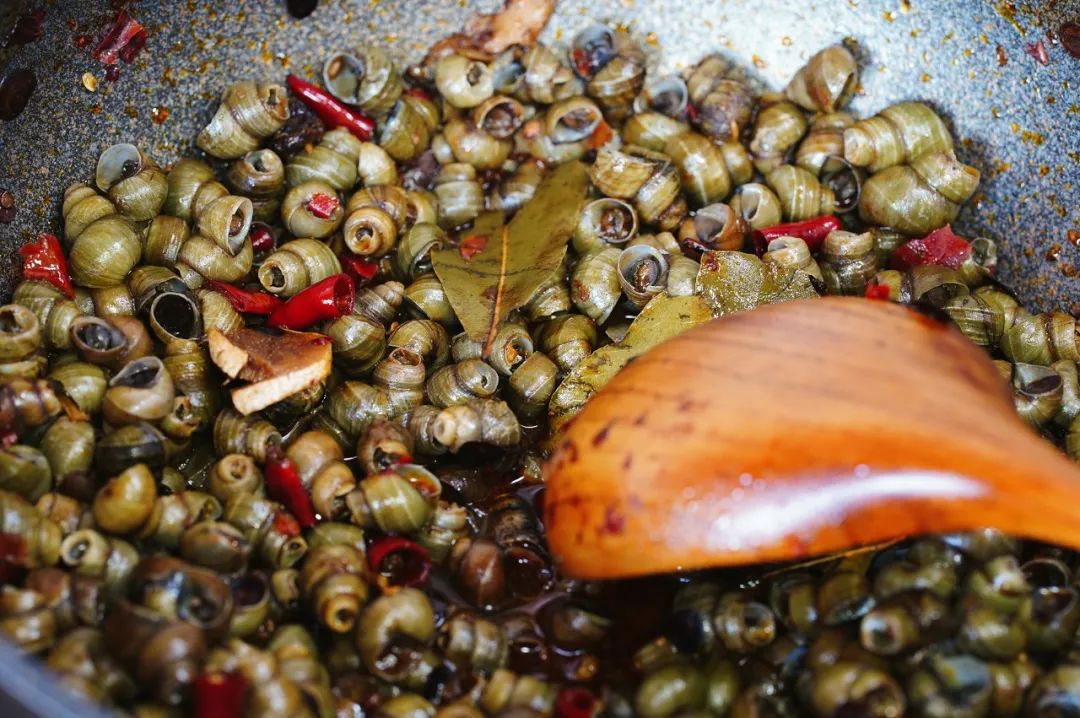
889 15
1002 58
652 39
1074 237
1054 252
905 6
786 41
89 82
925 77
1015 127
758 62
159 114
1043 170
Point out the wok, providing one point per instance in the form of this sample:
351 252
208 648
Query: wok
1015 119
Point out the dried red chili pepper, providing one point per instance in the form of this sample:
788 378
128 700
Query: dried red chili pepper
399 562
940 247
600 136
262 239
576 702
323 205
691 112
472 245
581 62
284 485
1038 51
285 524
331 298
359 269
220 695
244 300
43 258
813 231
877 291
123 41
331 110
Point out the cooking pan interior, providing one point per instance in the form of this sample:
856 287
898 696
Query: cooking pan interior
1016 119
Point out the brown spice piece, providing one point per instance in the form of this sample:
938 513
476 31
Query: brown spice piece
1069 35
7 207
278 365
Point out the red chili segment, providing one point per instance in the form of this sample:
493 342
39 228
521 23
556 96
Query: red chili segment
322 205
576 702
43 258
244 300
600 136
399 561
472 245
331 110
284 485
359 269
331 298
813 231
877 291
124 40
262 239
940 247
220 695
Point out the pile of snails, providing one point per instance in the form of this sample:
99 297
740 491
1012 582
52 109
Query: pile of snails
149 559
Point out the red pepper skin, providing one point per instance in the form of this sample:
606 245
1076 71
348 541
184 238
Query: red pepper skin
576 702
472 245
246 301
331 110
331 298
43 258
600 136
123 41
359 269
813 231
877 291
322 205
382 548
220 695
284 485
940 247
691 113
262 239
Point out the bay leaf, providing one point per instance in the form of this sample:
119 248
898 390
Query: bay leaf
484 287
662 318
736 281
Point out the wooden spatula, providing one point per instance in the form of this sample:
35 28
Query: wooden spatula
798 429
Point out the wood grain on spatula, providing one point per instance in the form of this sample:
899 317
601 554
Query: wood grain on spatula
798 429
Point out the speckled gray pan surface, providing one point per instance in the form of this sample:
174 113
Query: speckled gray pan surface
1016 119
